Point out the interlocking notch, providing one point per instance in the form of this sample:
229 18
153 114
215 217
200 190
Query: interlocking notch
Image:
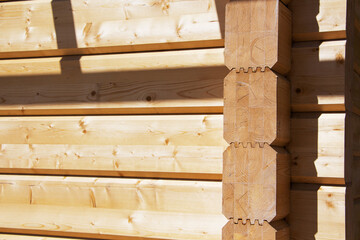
278 230
256 171
256 107
258 34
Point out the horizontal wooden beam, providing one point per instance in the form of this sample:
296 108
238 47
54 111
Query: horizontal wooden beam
53 28
189 81
171 146
317 148
159 146
135 84
318 20
111 207
317 212
32 237
317 76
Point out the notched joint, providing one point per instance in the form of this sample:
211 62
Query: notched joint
253 69
258 222
248 144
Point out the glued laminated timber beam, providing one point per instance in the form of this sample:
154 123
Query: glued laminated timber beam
171 146
110 208
188 81
55 28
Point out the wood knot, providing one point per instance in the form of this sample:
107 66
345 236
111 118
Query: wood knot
340 58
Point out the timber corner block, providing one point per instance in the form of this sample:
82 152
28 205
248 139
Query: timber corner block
261 41
257 107
268 231
256 183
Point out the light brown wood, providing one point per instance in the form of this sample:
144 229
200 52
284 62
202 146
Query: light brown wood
189 81
318 19
111 207
261 41
256 108
317 148
317 212
29 237
48 28
317 76
169 130
274 231
260 178
154 161
171 146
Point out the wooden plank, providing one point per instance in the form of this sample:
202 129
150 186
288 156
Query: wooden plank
352 92
261 41
189 81
256 108
352 82
352 152
317 212
268 231
170 146
29 237
105 82
353 31
48 28
109 207
317 76
260 180
317 148
318 19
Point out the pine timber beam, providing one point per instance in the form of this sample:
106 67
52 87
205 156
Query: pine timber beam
256 173
318 20
57 28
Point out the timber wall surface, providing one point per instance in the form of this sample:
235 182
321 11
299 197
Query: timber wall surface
111 120
325 120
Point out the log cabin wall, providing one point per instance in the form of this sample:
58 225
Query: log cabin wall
325 120
324 135
112 121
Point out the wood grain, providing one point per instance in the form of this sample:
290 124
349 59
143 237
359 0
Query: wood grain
171 146
268 231
111 207
317 212
260 181
318 19
317 148
29 237
48 28
256 108
261 41
317 76
189 81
